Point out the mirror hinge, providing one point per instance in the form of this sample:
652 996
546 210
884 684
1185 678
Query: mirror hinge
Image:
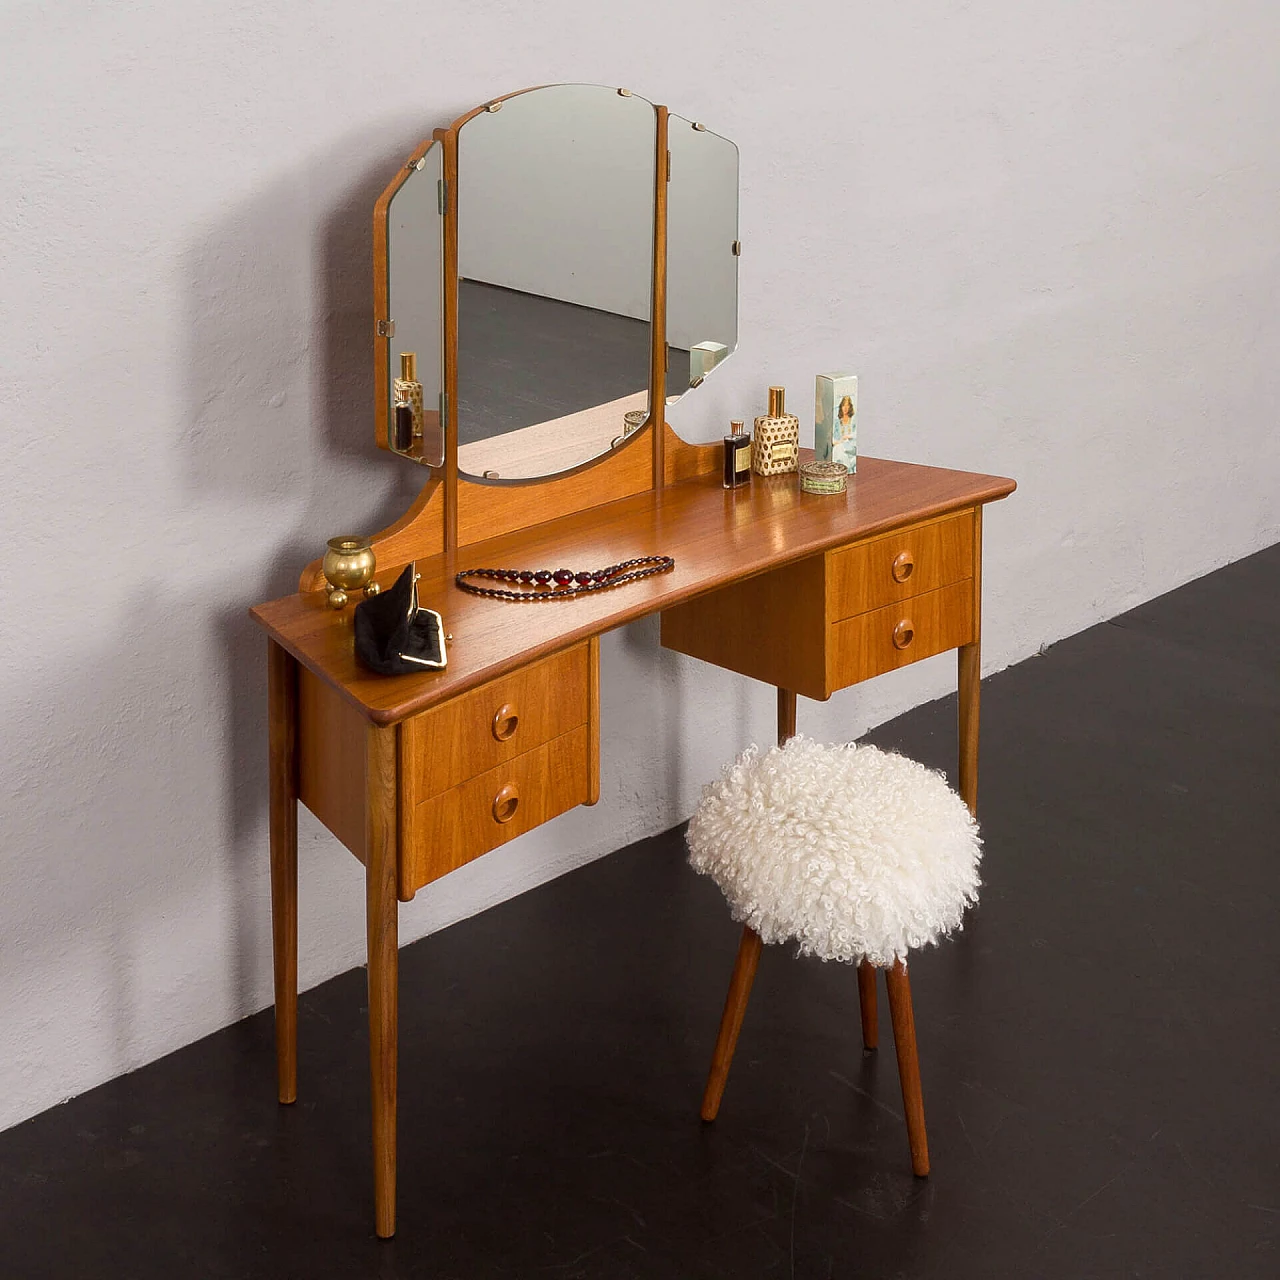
442 195
385 328
444 409
668 166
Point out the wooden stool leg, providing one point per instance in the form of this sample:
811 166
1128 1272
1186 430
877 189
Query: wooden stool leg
382 923
735 1007
282 750
867 1004
904 1039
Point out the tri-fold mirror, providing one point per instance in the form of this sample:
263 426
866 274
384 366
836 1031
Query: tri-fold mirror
533 286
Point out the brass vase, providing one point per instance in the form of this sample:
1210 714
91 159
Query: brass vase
349 566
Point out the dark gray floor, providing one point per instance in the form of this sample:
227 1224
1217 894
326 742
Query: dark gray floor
525 359
1100 1048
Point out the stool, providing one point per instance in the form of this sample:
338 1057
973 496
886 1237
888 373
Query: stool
854 853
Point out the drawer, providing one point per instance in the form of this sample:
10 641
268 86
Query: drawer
899 566
497 722
885 639
445 831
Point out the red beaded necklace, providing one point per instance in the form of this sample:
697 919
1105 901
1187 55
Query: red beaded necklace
560 584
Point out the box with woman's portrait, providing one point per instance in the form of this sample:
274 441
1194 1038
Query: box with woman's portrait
835 419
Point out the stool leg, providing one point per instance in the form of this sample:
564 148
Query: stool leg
904 1040
735 1007
867 1004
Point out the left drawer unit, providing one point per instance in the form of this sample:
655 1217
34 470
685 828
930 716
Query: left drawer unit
490 764
530 737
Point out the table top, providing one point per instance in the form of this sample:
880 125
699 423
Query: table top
716 536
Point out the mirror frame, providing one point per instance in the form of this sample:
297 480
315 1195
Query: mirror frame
474 507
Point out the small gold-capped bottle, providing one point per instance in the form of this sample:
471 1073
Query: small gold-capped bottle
408 390
737 455
776 448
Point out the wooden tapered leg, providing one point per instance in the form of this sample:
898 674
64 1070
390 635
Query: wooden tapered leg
867 1004
904 1040
786 715
282 751
381 918
969 671
735 1008
970 664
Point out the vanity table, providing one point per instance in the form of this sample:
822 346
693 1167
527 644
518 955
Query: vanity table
419 774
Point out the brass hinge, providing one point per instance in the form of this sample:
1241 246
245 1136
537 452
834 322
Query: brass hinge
442 195
444 409
737 248
385 328
668 166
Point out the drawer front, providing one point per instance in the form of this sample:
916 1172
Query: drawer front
899 566
502 719
448 830
885 639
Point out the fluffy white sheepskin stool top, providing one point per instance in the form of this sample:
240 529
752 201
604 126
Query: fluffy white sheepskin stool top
855 854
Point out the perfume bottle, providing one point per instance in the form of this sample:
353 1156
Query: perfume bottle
777 440
402 425
409 389
737 456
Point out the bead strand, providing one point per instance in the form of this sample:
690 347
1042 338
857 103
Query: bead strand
567 583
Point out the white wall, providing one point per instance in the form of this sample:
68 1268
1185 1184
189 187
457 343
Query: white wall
555 197
1044 236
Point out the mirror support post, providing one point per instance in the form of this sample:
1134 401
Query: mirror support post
448 139
658 307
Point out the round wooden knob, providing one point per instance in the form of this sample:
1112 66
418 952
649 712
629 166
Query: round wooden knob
903 634
505 722
903 563
505 803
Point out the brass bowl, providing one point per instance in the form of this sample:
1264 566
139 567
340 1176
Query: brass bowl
348 566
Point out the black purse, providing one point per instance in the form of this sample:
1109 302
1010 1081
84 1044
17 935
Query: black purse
395 635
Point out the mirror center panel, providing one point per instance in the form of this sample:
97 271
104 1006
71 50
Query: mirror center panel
555 266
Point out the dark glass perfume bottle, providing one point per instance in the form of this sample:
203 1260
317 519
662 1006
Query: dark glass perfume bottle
402 427
737 456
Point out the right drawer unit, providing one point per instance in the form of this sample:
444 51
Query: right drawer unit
842 616
899 598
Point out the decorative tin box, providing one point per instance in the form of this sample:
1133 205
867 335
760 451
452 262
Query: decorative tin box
824 477
835 419
776 446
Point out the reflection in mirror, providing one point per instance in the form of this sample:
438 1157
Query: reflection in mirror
555 262
702 254
415 302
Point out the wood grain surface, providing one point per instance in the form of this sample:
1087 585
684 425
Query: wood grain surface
464 737
448 830
282 707
382 923
969 673
927 557
899 634
717 536
331 746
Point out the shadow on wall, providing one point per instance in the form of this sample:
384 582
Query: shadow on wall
281 412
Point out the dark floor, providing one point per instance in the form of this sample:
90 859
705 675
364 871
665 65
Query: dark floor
525 359
1100 1050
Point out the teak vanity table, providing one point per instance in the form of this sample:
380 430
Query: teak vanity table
419 774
